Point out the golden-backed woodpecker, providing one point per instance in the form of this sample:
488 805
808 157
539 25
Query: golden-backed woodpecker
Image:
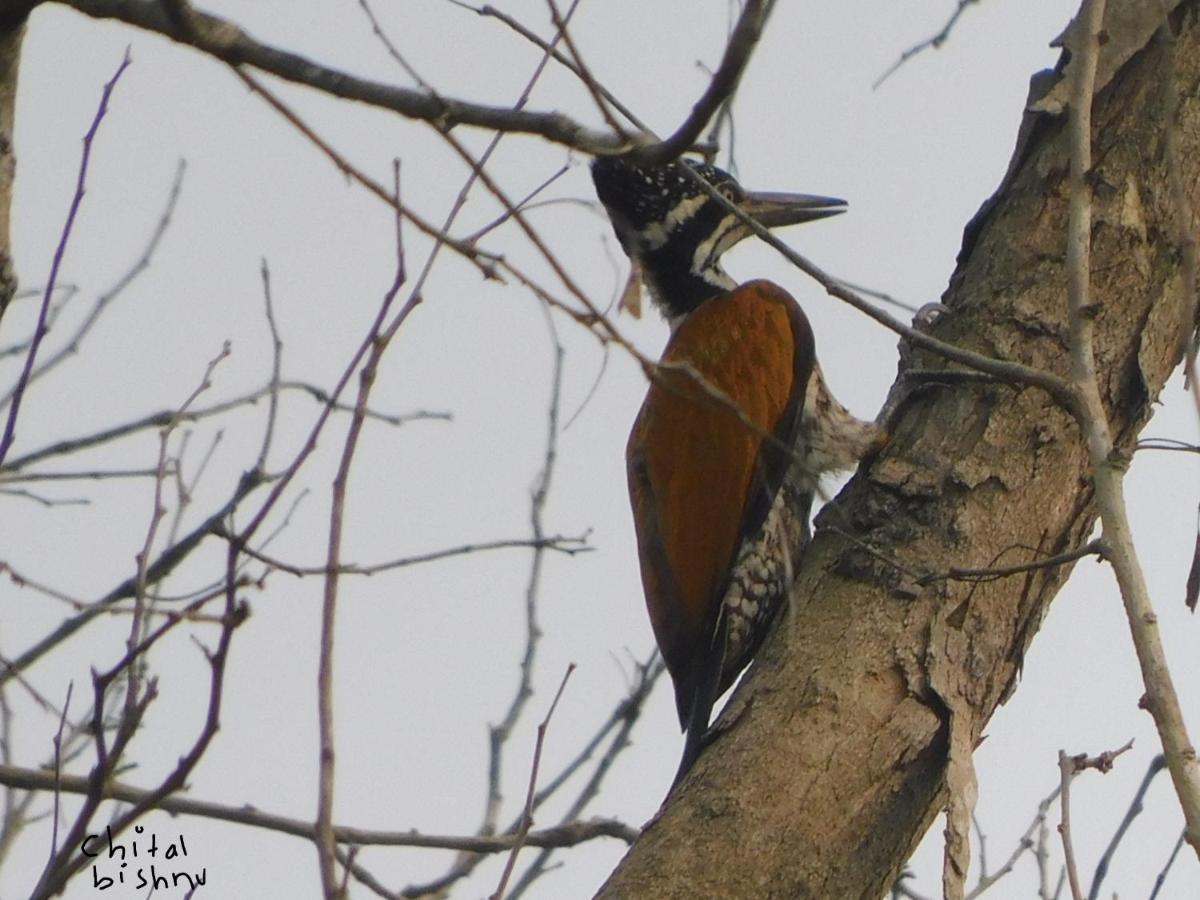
735 431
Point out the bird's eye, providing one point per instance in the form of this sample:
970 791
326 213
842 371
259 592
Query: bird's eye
729 192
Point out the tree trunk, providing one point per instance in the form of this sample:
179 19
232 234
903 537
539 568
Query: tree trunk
12 31
833 763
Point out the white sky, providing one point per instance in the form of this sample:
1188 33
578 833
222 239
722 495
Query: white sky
426 657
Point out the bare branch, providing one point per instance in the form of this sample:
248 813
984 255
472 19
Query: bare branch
243 814
1108 471
488 264
225 41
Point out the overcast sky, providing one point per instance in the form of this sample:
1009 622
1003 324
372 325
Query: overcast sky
426 657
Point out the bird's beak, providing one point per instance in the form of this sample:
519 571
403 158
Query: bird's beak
774 210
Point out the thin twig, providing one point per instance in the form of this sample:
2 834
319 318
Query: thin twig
498 734
136 634
1161 443
1161 878
721 86
935 42
1091 548
74 343
482 260
67 862
523 203
1066 771
276 367
547 47
39 331
559 543
21 346
392 49
380 335
489 264
624 715
527 814
162 566
1026 843
62 721
627 715
163 417
882 297
86 475
1068 768
1135 808
585 75
48 502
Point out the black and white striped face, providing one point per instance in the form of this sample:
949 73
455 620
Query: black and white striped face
676 232
660 213
649 205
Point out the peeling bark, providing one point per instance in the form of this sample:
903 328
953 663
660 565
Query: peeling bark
833 764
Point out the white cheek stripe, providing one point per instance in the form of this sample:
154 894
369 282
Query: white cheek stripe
709 250
656 233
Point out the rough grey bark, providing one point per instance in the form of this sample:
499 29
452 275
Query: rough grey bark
833 764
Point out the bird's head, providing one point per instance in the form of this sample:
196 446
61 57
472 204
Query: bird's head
675 232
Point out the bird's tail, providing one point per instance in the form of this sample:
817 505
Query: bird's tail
704 695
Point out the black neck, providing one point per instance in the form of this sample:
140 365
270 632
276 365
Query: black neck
675 286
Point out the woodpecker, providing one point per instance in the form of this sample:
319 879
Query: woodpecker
735 431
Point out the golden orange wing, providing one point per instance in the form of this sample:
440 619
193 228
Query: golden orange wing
698 478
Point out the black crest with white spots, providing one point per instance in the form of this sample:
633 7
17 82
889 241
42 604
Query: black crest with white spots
669 226
638 198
